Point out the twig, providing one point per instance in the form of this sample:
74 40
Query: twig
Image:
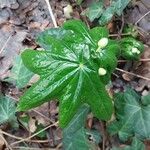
123 34
5 142
133 74
51 13
48 119
26 139
122 25
142 60
5 44
31 148
20 138
142 17
84 17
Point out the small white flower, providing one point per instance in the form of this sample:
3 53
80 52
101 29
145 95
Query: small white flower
102 71
102 42
135 50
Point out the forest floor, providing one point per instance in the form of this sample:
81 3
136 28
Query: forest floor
20 22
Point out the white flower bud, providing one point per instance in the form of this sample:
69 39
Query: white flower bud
135 50
67 11
102 71
103 42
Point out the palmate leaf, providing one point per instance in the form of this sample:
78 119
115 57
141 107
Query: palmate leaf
68 69
133 118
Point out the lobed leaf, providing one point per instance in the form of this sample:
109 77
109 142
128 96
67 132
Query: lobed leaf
132 116
68 69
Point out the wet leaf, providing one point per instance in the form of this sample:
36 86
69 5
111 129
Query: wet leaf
68 70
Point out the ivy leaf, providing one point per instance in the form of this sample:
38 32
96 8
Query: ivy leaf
136 145
20 75
94 11
120 6
116 7
7 110
132 116
75 134
79 1
68 71
146 99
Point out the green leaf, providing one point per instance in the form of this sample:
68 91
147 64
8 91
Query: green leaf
120 6
116 7
146 99
7 110
94 136
79 1
75 135
133 118
131 48
136 145
94 11
68 71
20 75
107 15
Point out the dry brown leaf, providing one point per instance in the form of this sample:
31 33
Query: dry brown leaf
32 125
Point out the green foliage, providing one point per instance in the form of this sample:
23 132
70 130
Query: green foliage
131 49
20 75
132 30
79 1
75 135
7 110
132 117
68 70
97 10
146 99
94 11
136 145
74 68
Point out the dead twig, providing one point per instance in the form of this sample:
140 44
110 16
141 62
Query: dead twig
20 138
51 13
5 44
141 60
32 148
6 143
133 74
123 34
142 18
28 138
